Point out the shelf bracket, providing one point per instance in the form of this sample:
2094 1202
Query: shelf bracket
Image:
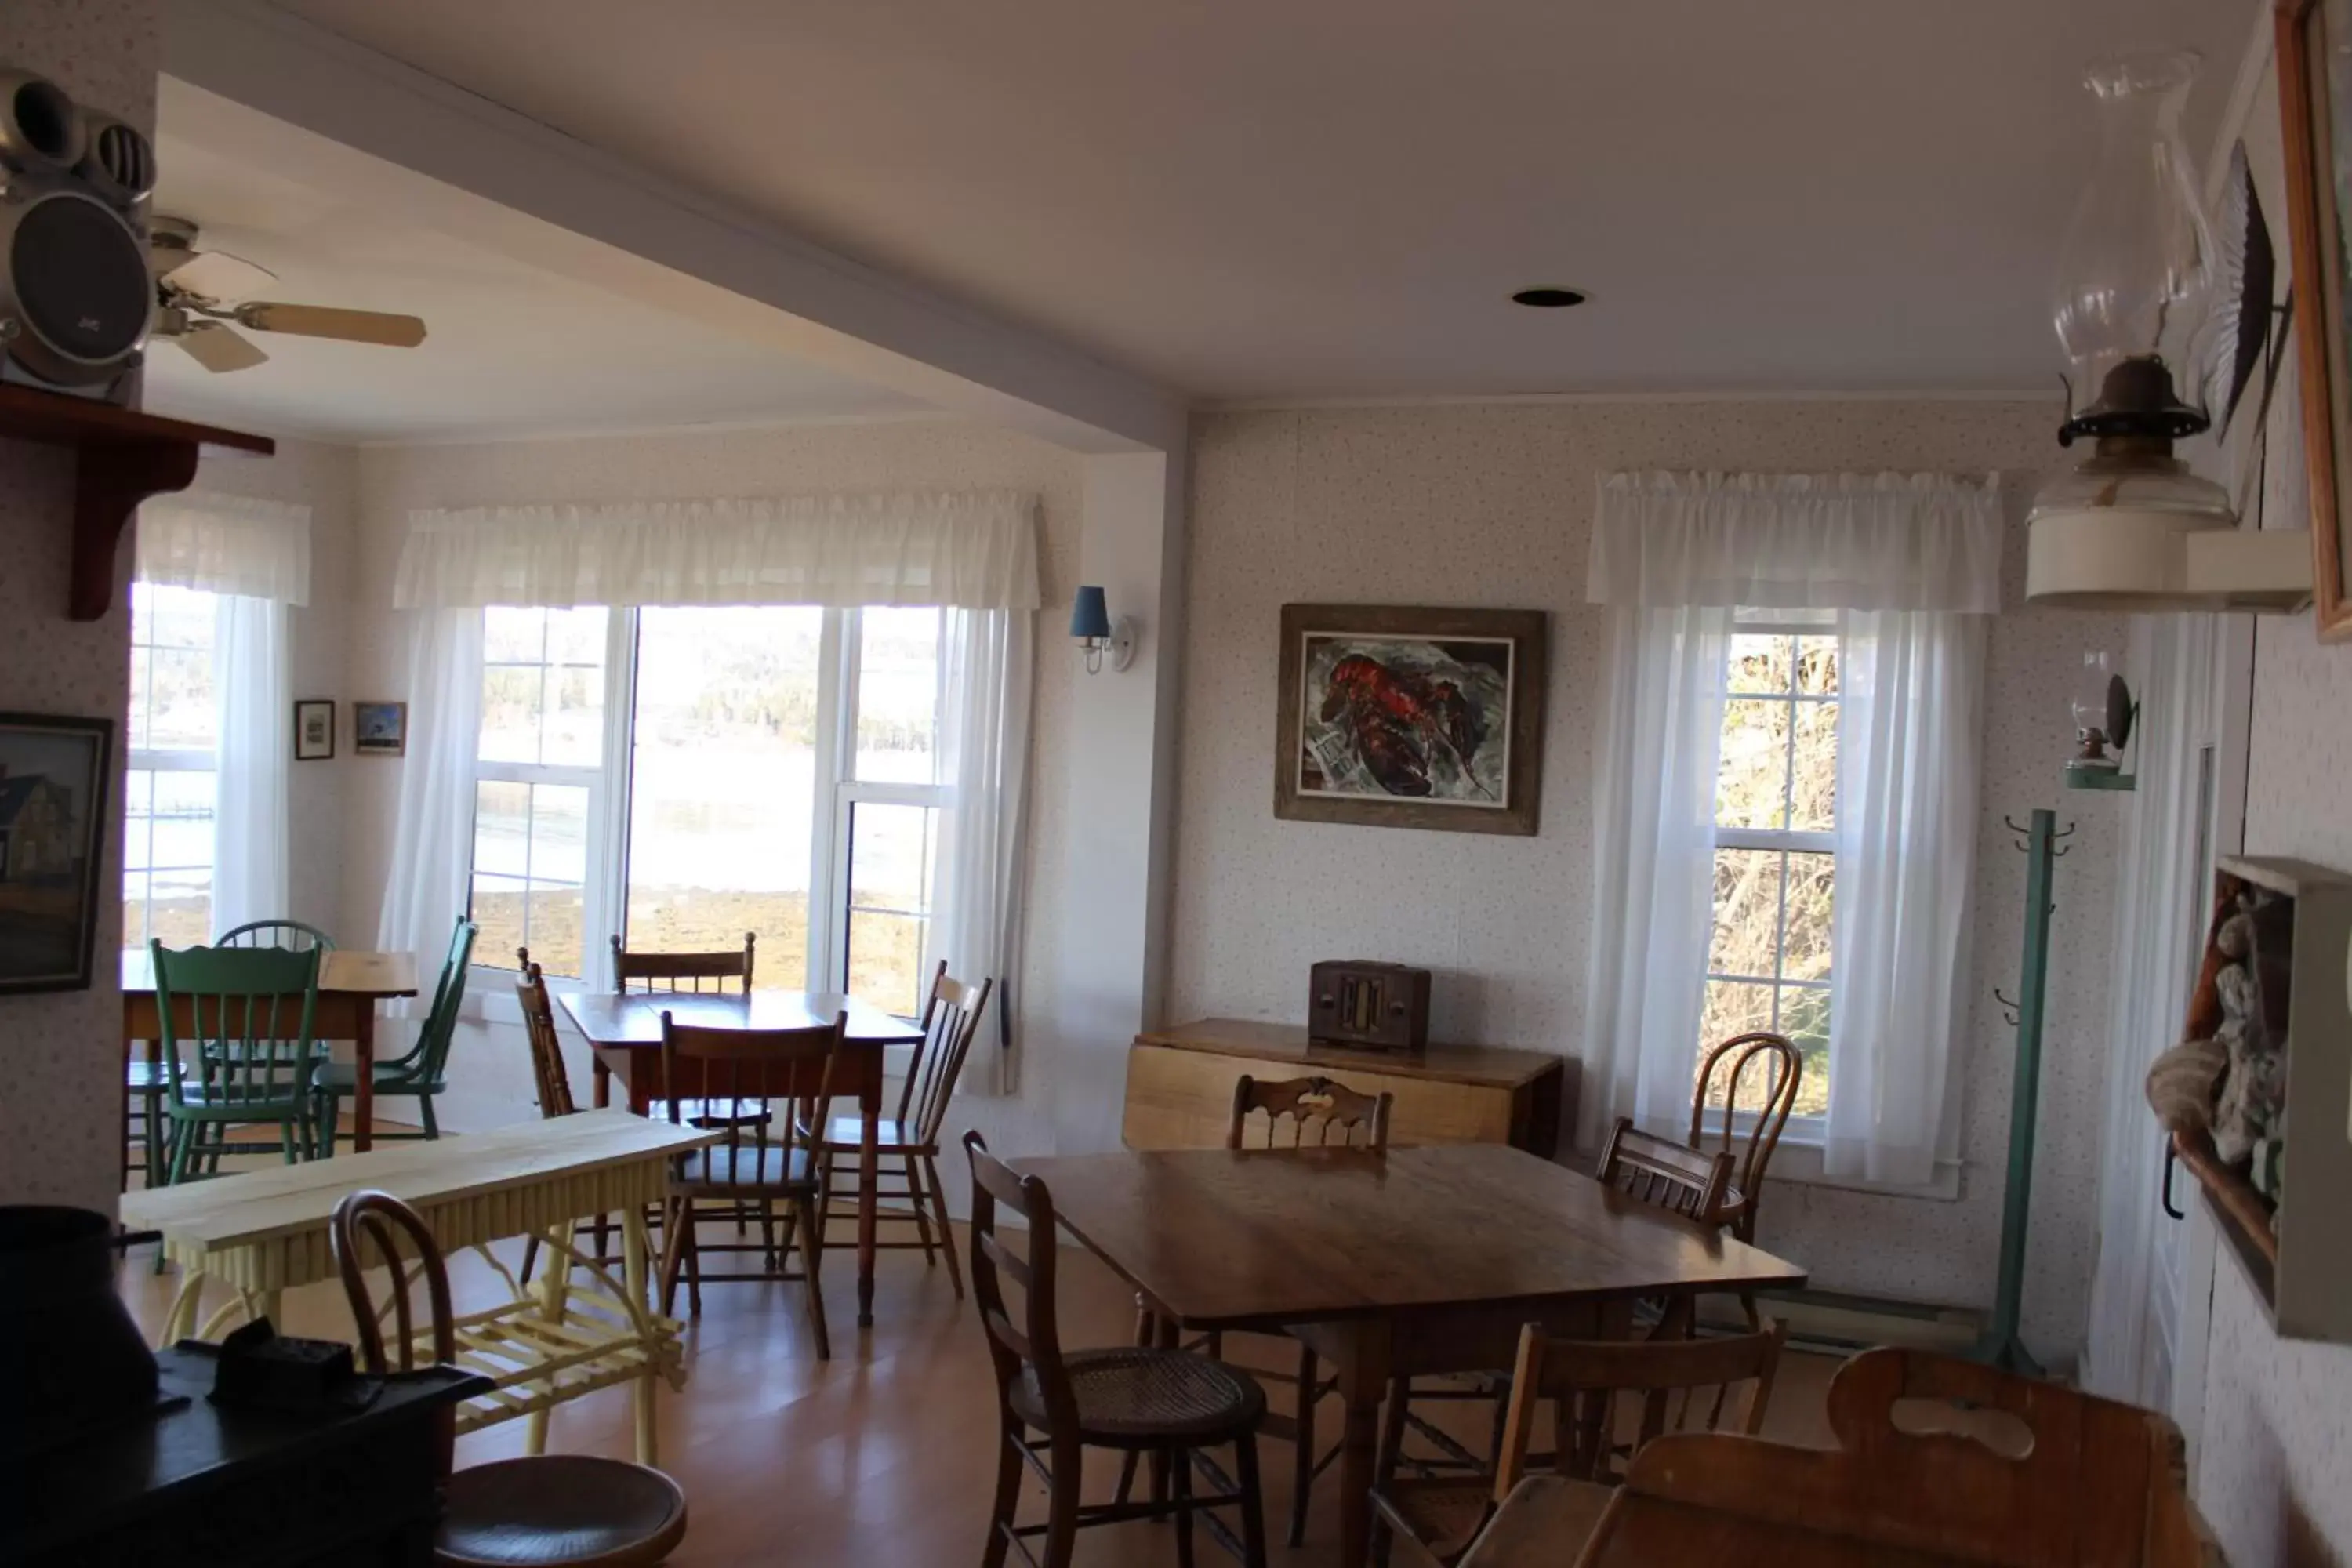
111 480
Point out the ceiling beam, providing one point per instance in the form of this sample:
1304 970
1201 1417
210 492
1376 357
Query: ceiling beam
468 166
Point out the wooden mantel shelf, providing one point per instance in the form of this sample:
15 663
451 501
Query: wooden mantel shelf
121 457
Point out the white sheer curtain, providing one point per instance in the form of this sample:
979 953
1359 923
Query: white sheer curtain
987 659
1909 717
1652 904
433 841
1915 560
2160 908
253 674
227 544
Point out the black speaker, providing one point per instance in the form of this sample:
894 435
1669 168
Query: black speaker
76 299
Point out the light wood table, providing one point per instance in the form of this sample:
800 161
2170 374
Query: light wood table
1412 1263
350 986
625 1032
264 1232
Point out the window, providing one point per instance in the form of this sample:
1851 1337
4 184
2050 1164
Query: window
1775 840
169 790
539 780
781 760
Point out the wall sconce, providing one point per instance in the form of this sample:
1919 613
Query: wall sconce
2105 716
1096 634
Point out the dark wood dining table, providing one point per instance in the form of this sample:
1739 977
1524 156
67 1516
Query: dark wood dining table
351 983
624 1032
1412 1263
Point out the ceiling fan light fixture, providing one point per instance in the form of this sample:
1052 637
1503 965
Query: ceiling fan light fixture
1548 297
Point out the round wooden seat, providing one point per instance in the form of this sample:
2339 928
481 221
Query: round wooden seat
1131 1398
575 1510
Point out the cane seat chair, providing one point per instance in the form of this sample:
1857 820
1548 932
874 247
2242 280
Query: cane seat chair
550 1510
549 1078
1169 1404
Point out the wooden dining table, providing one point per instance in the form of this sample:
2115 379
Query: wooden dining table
624 1031
1411 1263
351 983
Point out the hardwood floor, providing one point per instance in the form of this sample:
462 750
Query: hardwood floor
885 1456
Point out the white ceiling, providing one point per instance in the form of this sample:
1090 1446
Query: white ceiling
510 349
1334 196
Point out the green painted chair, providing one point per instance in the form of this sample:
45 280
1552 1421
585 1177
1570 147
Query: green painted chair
292 935
243 1055
422 1072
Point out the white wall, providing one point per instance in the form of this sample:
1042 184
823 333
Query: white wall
1491 506
61 1111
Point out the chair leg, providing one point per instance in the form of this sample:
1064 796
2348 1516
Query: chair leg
811 1252
529 1257
425 1114
1302 1461
1000 1513
1254 1499
1179 1486
1146 1333
1068 1466
947 1233
922 1225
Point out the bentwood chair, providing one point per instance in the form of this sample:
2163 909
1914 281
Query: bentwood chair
420 1073
1170 1404
910 1139
1682 1385
770 1163
1764 1103
249 1022
550 1510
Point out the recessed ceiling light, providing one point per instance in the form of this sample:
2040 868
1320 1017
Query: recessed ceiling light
1548 298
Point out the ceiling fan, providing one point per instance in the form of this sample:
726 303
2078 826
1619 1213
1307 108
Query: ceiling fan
202 297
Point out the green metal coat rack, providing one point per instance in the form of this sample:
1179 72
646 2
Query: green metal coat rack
2000 1345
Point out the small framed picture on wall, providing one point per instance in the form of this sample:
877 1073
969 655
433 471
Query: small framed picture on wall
380 729
314 730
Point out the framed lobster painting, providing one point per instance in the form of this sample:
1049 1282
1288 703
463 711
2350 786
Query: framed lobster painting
1393 716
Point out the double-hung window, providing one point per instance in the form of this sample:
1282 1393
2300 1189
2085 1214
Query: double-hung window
1775 840
771 769
171 789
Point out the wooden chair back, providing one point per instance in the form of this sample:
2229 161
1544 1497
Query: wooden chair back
1683 1385
249 1012
950 1021
291 935
1317 1104
377 1216
547 1069
1760 1075
1664 1173
681 973
1918 1469
1022 1340
759 1067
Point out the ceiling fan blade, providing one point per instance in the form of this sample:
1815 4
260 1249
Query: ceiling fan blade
218 349
324 322
218 278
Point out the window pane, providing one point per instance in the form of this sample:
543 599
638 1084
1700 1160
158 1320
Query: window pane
512 635
1805 947
498 908
1805 1019
1812 800
574 731
136 805
174 618
723 783
182 822
511 703
558 834
1747 912
576 637
898 695
1751 782
140 694
134 909
1760 662
1734 1007
181 711
891 848
180 908
502 829
556 916
1817 666
886 960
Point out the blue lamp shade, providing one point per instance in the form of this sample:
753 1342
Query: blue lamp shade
1090 615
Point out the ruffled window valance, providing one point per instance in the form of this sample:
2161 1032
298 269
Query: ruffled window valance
227 544
965 550
1828 541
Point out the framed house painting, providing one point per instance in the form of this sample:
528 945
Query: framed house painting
1399 717
53 790
380 729
2315 83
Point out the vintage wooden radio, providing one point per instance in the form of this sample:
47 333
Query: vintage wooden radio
1374 1007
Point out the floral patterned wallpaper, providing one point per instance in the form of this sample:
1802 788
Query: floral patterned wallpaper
61 1110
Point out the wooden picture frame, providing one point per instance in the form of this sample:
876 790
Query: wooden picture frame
379 729
1398 716
54 804
314 730
2316 126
